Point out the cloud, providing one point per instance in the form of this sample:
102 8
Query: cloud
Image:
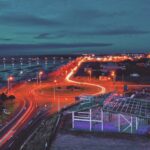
4 4
91 13
42 36
49 36
91 16
27 20
111 32
55 45
5 39
123 32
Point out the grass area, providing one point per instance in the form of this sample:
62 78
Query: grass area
3 117
64 89
11 107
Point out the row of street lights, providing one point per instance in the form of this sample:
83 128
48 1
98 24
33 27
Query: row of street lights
29 63
31 59
11 78
112 74
39 80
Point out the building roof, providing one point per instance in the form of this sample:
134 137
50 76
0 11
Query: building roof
129 106
84 105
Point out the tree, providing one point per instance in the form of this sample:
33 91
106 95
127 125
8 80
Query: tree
3 97
11 97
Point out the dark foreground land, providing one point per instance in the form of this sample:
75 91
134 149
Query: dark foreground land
55 133
67 139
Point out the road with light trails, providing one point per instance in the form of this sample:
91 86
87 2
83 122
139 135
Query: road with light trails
25 114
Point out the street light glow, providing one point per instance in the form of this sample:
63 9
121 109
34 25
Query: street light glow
40 73
39 76
10 78
113 74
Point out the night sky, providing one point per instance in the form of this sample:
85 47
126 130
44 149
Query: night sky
74 26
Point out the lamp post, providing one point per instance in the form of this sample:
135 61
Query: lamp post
46 62
21 62
39 77
13 62
29 61
90 73
9 79
55 81
4 63
54 60
69 59
37 61
113 74
58 100
62 59
58 105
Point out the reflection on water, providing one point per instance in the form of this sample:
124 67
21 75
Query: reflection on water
27 68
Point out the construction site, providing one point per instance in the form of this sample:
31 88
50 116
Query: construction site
113 113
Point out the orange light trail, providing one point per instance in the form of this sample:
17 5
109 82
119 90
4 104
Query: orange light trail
12 131
68 78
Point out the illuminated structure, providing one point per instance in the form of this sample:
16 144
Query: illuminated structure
112 113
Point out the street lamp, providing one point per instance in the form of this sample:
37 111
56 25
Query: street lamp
90 73
58 100
37 61
55 81
13 62
4 63
66 72
46 61
54 60
58 104
69 58
29 61
39 76
9 79
62 59
113 75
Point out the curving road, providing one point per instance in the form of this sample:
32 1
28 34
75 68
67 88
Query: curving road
28 107
102 90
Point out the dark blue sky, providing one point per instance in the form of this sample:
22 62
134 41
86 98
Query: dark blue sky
74 26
